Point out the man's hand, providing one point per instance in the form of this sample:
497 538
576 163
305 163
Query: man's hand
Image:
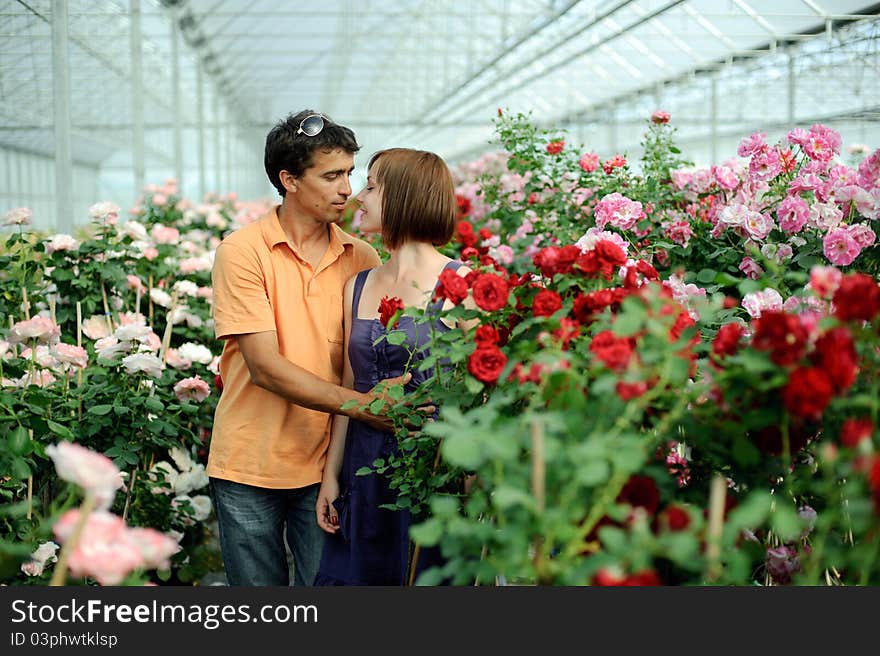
328 519
380 391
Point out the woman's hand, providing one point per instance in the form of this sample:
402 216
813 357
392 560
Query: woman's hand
328 519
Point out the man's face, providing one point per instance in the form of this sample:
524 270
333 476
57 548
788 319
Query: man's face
322 191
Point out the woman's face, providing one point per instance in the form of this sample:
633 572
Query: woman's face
370 199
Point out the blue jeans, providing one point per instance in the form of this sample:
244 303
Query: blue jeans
252 523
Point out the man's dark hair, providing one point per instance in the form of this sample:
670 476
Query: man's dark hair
288 151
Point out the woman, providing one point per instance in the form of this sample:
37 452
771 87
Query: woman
410 199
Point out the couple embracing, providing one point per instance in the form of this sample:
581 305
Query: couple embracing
296 302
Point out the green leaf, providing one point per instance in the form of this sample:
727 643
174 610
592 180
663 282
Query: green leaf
631 318
706 276
99 410
396 337
786 522
593 473
726 279
377 406
154 405
751 513
395 392
20 469
462 450
60 430
18 441
506 496
683 548
473 385
428 533
744 452
613 538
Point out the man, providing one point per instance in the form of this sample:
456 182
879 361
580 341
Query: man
278 287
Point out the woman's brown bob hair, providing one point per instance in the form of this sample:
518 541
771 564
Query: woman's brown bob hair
418 197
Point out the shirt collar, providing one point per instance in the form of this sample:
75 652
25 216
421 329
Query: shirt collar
273 233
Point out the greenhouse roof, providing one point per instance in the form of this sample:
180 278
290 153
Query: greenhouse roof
430 74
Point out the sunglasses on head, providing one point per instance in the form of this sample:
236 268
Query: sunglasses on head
311 125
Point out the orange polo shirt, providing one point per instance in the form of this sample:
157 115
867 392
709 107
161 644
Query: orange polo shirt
261 283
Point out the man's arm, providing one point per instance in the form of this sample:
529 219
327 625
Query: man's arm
275 373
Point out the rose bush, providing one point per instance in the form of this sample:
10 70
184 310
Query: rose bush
623 424
110 345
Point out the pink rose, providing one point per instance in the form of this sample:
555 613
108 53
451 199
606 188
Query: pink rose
192 389
42 329
75 356
92 471
104 550
839 247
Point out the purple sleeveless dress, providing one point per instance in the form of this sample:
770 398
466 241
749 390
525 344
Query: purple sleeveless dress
372 544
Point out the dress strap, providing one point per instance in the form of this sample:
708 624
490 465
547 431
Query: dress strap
436 306
358 288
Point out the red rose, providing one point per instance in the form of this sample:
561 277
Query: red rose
465 233
727 339
522 376
469 252
588 263
485 364
835 354
463 205
555 147
643 578
854 431
388 307
451 286
874 483
675 518
586 305
613 163
807 393
627 391
782 334
546 303
641 492
610 256
486 336
218 383
682 322
608 577
614 352
647 270
490 292
546 260
857 298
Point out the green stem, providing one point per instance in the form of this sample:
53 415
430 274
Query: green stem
59 576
